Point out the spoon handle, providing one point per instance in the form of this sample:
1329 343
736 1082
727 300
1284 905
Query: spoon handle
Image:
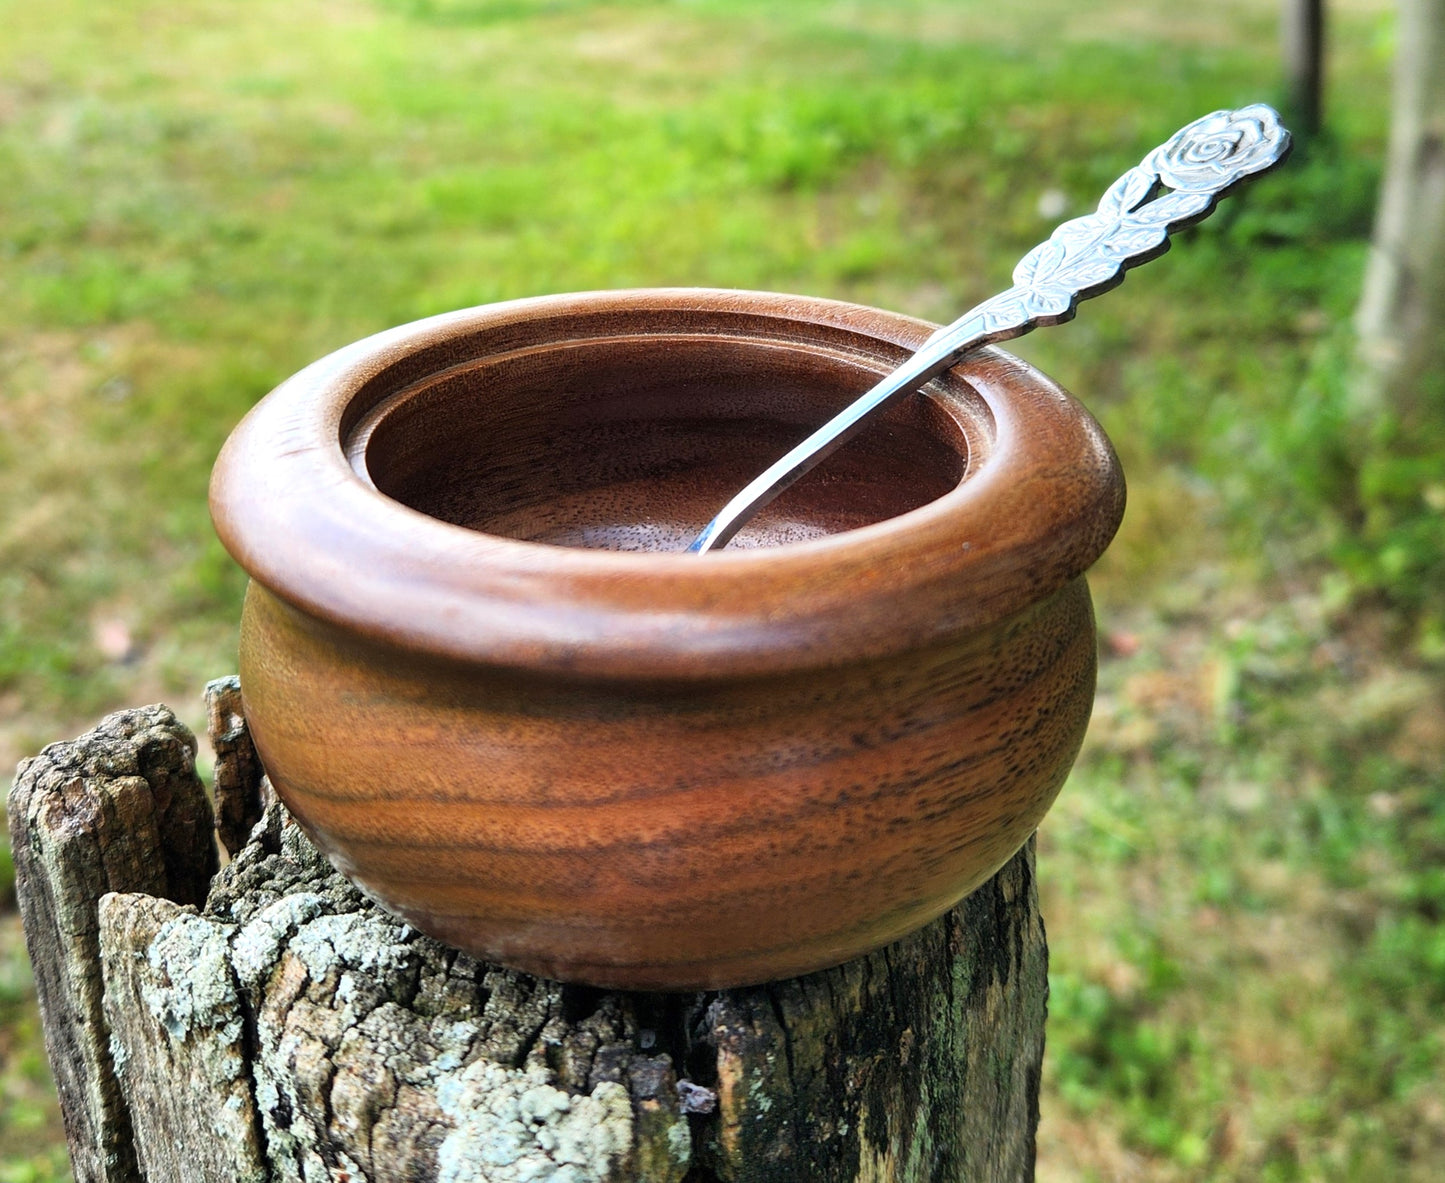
1083 258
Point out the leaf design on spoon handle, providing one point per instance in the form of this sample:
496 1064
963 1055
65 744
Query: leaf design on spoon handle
1085 257
1198 165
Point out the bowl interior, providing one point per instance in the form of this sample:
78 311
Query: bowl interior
635 442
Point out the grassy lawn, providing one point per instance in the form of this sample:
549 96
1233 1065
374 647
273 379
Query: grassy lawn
1242 882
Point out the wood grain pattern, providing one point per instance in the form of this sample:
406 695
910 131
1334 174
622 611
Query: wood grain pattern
655 770
119 809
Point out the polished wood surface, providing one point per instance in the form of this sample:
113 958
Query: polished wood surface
638 455
541 734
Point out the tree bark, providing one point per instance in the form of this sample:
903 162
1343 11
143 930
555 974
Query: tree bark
1401 319
271 1024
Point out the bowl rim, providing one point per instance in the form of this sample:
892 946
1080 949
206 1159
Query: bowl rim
289 507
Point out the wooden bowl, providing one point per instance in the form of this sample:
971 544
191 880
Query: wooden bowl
657 770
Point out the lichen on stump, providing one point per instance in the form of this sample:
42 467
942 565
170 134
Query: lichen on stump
272 1024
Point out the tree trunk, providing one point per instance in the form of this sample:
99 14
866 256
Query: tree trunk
1401 318
1303 35
279 1027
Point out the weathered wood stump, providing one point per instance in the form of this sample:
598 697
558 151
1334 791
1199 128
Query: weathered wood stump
266 1022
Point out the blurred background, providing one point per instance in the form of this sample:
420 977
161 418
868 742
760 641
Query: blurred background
1244 883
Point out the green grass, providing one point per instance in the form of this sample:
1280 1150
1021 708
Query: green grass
32 1142
1241 884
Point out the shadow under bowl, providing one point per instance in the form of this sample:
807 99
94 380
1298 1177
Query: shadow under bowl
485 679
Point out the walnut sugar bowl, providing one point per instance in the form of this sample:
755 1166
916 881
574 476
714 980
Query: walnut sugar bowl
487 681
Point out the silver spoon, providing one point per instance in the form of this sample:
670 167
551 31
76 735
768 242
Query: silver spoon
1086 257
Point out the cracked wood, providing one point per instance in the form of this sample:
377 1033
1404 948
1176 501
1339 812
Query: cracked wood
272 1024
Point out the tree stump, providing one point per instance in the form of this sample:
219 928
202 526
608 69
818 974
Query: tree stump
266 1022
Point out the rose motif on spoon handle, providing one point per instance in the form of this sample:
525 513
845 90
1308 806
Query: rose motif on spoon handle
1088 256
1176 185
